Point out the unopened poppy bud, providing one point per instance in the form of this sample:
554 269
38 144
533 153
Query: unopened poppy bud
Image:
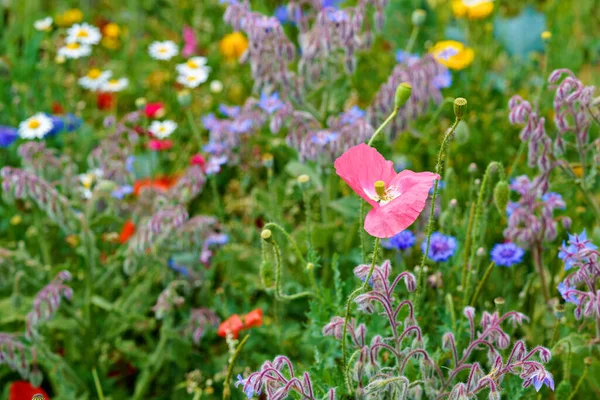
184 98
403 92
380 188
266 234
418 17
501 194
303 178
460 107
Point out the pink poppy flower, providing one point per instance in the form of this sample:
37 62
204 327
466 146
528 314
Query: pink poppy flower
154 110
397 198
189 42
159 145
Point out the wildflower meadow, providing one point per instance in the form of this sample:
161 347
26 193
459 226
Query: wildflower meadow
299 199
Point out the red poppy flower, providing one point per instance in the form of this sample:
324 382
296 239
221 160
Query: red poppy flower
253 319
162 183
22 390
127 231
104 101
232 324
159 145
197 159
154 110
57 109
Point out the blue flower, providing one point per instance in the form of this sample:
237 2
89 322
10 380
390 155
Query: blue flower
67 124
401 241
281 13
213 148
210 121
511 207
214 164
249 391
271 103
555 200
241 126
122 191
324 137
404 57
441 248
350 116
546 380
129 163
507 254
229 111
219 239
8 135
443 80
576 243
571 298
178 268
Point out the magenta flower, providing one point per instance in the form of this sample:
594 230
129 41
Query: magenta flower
189 42
397 198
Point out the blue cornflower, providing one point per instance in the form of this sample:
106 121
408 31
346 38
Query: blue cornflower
441 248
122 191
178 268
350 116
67 124
271 103
8 135
507 254
400 241
571 298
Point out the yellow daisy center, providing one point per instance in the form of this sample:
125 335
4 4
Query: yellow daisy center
161 129
82 34
94 73
191 64
34 124
72 46
113 81
191 78
162 50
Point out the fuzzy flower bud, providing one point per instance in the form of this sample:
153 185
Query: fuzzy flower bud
403 92
418 17
460 107
184 98
266 234
501 194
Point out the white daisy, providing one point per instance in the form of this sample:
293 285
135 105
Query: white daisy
163 50
192 79
216 86
74 50
44 24
162 129
115 85
35 127
193 64
84 34
95 79
87 180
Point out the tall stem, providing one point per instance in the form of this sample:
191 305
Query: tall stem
539 265
438 170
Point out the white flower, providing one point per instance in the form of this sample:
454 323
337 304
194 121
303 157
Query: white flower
163 50
35 127
193 78
95 79
191 65
84 34
74 50
115 85
162 129
44 24
216 86
87 180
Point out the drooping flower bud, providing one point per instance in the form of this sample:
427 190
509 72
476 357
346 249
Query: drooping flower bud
266 234
403 92
460 107
501 195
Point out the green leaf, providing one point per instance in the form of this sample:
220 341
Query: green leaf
348 206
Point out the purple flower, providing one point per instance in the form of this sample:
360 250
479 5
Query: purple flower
248 390
349 117
324 137
129 163
443 80
563 289
8 135
543 378
242 126
554 200
210 122
213 148
214 164
441 248
122 191
507 254
271 103
229 111
576 243
407 58
511 207
217 239
401 241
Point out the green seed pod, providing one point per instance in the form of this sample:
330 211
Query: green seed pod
403 92
564 390
418 17
501 194
462 132
184 98
460 107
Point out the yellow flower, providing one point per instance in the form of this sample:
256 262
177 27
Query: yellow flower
110 43
453 54
72 240
111 30
16 220
472 9
233 46
69 17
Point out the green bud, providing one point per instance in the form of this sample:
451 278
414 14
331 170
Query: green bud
559 311
460 107
106 186
418 17
266 234
462 132
501 194
184 98
402 94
